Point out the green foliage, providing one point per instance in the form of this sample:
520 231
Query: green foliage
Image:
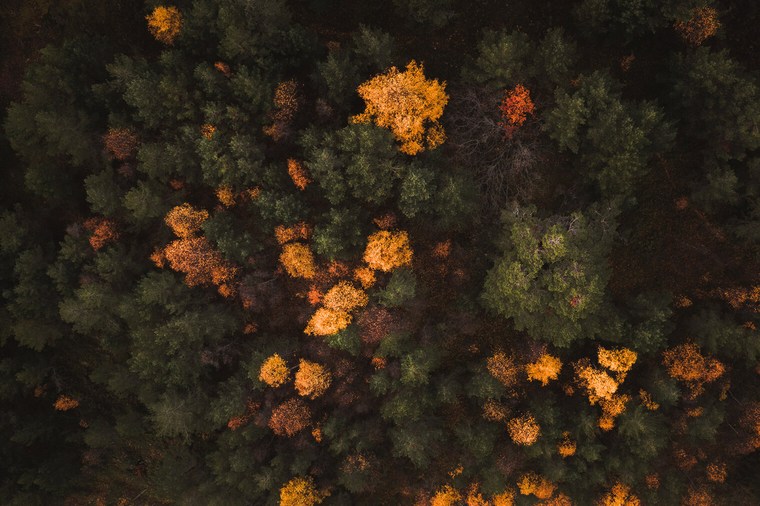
401 288
551 274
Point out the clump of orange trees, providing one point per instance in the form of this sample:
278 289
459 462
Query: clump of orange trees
408 104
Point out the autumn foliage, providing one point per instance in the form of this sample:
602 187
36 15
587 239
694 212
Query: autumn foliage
185 220
326 322
344 297
684 362
298 260
702 25
274 371
65 403
524 430
408 105
121 142
286 103
515 108
544 369
537 485
619 495
200 262
503 368
300 492
388 250
298 174
312 379
102 232
290 417
165 23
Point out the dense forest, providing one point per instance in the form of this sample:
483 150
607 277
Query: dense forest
359 252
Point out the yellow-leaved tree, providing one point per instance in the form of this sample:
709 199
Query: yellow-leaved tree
300 492
387 250
544 369
312 379
408 105
274 371
165 23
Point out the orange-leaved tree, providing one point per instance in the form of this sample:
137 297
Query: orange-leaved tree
290 417
298 260
165 23
312 379
684 362
102 232
185 220
524 430
515 107
503 368
537 485
546 368
326 322
298 174
274 371
619 495
702 25
344 297
121 142
387 250
408 105
300 492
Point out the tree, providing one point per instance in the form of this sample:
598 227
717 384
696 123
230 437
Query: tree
537 485
326 322
504 369
524 430
298 174
165 23
274 371
546 368
619 495
684 362
121 142
551 274
290 418
407 104
388 250
298 260
185 221
300 492
201 263
344 297
312 380
515 107
702 25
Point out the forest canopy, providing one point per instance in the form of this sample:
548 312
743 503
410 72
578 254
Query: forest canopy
420 252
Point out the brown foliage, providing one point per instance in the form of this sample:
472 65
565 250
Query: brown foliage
286 102
408 105
503 368
374 324
121 142
290 417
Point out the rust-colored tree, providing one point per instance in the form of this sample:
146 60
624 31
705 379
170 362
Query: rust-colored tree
165 23
121 142
65 403
702 25
298 174
312 379
287 101
290 418
388 250
200 262
408 105
503 368
515 108
102 232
